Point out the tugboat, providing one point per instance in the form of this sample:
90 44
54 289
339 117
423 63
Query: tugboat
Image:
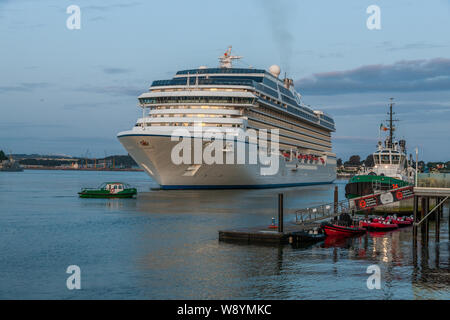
391 168
109 190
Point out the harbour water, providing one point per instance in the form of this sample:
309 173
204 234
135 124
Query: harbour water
164 245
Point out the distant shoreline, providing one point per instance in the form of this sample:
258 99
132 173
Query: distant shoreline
84 169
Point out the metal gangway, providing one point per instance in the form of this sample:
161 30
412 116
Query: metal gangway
322 212
350 206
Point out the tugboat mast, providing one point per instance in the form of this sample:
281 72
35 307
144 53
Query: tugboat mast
391 125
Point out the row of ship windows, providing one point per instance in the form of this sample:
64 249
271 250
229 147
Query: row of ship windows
285 91
197 100
261 88
384 159
289 100
189 124
192 115
232 100
270 83
266 90
294 142
288 128
293 138
194 107
290 134
285 96
289 118
305 144
203 81
301 113
328 118
306 113
289 108
221 70
200 89
326 124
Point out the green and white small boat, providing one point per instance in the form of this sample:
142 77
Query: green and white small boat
109 190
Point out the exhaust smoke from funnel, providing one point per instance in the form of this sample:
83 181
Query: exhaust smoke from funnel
277 15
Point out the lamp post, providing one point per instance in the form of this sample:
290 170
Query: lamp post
417 165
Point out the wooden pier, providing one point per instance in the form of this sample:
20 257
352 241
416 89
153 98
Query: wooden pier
293 233
281 233
308 219
422 217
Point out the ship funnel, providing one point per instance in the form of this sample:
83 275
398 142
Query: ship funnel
288 83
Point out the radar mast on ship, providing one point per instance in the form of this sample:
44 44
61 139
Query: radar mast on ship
391 128
226 59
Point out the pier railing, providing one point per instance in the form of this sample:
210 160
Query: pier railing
350 206
321 212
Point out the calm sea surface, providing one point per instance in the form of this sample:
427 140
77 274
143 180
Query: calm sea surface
164 245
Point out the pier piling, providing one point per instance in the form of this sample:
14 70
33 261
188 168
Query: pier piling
427 222
415 211
336 199
280 212
422 218
422 215
438 221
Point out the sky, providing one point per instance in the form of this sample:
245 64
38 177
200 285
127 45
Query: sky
70 92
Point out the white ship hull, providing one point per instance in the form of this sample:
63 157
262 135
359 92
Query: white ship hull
152 151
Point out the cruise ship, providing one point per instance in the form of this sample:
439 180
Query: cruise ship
235 101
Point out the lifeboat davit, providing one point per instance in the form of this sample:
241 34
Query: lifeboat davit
341 231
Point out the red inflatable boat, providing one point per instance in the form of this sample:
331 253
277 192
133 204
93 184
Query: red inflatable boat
381 226
337 230
401 223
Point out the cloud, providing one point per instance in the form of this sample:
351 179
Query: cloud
112 6
116 70
404 108
388 45
114 90
25 86
349 139
402 76
320 55
8 125
91 105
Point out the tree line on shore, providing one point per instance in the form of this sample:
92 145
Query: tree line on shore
125 161
118 161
